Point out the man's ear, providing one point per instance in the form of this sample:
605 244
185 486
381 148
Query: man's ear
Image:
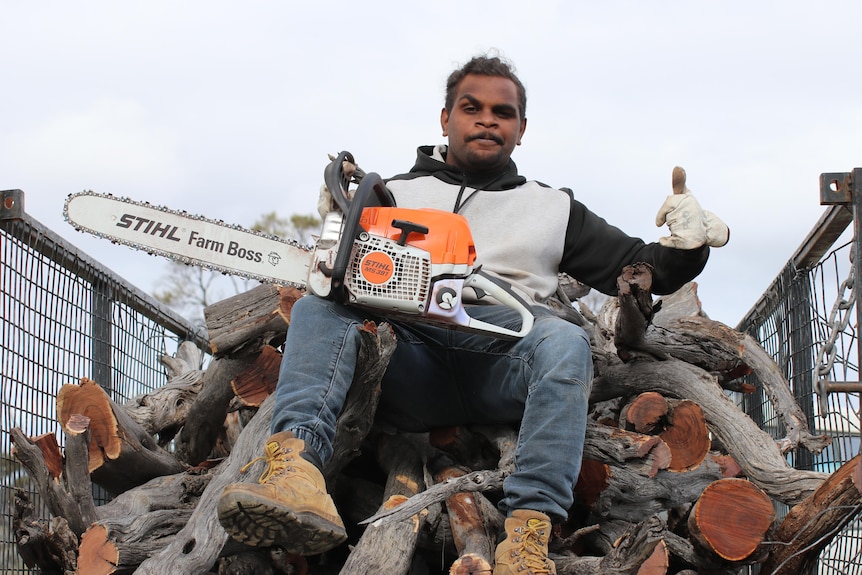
521 133
444 121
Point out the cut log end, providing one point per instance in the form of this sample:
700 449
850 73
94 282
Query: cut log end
97 554
731 518
89 399
658 562
687 436
256 383
646 412
470 564
287 296
592 481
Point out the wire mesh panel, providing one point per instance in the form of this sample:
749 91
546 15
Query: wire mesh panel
65 317
807 322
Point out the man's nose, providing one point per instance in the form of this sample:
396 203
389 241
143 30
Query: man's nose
487 118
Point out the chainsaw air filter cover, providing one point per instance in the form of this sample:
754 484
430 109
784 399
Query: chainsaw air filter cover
401 252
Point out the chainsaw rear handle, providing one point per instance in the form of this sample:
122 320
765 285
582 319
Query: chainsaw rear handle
372 192
486 284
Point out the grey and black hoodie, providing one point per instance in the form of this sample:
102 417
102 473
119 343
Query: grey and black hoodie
526 232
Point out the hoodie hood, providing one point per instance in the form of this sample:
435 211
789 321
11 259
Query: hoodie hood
431 161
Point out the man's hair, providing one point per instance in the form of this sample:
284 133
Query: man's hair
486 66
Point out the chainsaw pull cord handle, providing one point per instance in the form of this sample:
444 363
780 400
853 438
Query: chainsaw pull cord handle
371 192
486 284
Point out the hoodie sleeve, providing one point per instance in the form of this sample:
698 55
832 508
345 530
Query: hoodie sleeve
595 253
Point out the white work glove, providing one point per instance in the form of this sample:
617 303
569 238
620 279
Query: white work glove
690 226
325 203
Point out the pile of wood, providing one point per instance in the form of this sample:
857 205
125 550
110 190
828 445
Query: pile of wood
675 478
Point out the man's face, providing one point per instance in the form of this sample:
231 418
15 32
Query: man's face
484 125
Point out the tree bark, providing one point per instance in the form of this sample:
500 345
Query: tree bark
246 322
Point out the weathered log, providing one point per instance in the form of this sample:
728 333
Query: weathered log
139 522
49 545
179 491
731 519
77 475
246 322
205 419
388 547
600 541
162 412
684 302
631 551
755 450
634 298
122 454
61 498
473 541
356 418
633 494
716 347
812 524
611 444
604 539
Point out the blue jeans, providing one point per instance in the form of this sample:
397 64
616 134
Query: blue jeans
438 377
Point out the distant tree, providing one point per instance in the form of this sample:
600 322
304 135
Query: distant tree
298 227
190 289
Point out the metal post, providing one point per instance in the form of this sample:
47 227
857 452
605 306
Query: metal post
101 325
856 194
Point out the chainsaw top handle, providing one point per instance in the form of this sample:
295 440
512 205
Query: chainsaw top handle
372 192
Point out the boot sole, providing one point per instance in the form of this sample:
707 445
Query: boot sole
260 525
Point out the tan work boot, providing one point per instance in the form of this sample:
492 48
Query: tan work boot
289 506
525 549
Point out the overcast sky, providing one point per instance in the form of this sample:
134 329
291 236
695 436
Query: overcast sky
229 109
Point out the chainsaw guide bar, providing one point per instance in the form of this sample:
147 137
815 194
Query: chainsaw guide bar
190 239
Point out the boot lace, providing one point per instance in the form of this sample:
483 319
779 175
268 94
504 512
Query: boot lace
277 461
531 549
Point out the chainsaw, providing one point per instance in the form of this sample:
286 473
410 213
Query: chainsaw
412 264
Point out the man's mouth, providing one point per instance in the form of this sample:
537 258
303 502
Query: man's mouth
486 136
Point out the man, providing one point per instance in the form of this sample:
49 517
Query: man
526 233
